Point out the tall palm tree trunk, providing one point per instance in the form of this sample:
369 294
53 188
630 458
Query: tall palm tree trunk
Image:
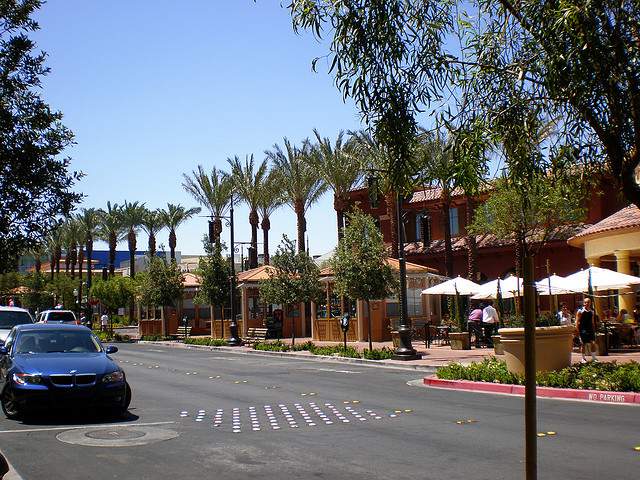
112 254
172 244
52 266
339 207
58 258
152 245
80 260
132 244
67 261
472 246
301 224
217 231
89 259
391 213
38 264
446 221
266 225
73 253
253 221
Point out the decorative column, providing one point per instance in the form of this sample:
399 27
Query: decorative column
314 316
597 301
625 295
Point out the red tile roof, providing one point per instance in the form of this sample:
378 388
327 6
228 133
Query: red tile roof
626 219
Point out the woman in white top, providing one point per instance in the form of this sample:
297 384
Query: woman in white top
564 315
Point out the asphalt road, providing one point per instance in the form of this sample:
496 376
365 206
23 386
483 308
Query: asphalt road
290 423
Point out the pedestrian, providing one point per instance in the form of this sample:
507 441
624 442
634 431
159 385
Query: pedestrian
104 322
564 315
490 320
586 325
475 323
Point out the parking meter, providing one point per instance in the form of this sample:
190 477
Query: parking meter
185 323
344 325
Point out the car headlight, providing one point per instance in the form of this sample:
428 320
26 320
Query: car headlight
113 377
27 378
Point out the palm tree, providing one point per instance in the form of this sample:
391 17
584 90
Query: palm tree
71 235
212 192
300 182
111 230
173 217
248 185
90 220
132 217
434 156
54 246
340 169
269 200
375 157
152 224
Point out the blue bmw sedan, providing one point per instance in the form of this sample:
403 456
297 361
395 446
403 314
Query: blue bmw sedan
51 365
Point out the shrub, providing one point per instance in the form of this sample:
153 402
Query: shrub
154 338
271 346
590 376
378 354
208 341
308 346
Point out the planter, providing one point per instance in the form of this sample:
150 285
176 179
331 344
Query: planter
498 348
459 341
553 348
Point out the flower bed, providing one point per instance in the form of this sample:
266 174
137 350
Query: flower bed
611 376
375 354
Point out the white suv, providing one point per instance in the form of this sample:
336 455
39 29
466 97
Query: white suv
10 317
58 316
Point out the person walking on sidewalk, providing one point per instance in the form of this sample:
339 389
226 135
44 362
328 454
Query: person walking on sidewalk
475 324
490 320
104 322
586 325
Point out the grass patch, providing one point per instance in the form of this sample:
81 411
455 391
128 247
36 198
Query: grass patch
609 376
207 341
154 338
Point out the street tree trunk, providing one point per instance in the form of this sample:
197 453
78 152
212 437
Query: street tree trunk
172 244
132 244
58 258
266 225
73 258
253 254
301 224
38 264
80 260
89 242
52 266
472 246
446 221
112 254
152 245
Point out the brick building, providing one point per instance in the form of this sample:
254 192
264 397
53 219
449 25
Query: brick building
496 256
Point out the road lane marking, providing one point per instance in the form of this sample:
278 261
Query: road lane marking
79 427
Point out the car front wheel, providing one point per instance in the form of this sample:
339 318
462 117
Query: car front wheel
10 405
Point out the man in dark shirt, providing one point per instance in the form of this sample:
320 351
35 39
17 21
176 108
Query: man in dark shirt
586 325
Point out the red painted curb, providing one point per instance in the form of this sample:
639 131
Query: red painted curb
547 392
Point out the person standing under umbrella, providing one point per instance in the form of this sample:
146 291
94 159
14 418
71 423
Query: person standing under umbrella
586 325
490 320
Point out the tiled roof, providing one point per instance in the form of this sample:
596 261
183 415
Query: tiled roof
256 274
432 193
489 241
626 219
190 280
395 266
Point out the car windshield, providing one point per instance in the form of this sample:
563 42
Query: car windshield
9 319
62 341
60 317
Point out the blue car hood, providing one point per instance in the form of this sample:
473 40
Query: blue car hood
48 363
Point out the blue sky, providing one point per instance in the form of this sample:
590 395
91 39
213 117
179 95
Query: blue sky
152 88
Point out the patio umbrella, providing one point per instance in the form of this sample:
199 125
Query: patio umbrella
553 285
508 288
599 279
455 286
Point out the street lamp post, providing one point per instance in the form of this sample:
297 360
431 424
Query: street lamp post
234 340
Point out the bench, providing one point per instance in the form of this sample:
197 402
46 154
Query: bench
184 331
255 335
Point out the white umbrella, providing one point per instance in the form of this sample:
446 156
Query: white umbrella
509 288
458 285
558 286
601 279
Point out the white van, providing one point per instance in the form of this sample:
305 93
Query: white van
58 316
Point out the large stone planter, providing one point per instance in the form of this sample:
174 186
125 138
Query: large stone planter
553 348
459 341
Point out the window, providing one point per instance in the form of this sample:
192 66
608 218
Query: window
423 227
454 227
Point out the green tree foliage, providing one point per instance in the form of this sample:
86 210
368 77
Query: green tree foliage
295 279
215 273
37 298
573 60
36 186
161 284
113 293
359 262
61 287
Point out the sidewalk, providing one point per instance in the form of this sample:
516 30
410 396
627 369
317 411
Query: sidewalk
435 356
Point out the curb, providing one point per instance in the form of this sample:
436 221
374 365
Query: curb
310 358
11 474
595 396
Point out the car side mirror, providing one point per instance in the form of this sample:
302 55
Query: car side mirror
3 350
111 349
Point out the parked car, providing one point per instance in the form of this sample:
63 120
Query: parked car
10 317
58 316
51 365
